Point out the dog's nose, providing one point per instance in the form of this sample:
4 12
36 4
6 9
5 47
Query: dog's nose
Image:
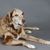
23 20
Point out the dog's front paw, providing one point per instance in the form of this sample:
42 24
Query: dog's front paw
30 46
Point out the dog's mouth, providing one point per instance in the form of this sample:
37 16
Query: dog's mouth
17 23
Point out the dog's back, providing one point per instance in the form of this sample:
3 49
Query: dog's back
3 24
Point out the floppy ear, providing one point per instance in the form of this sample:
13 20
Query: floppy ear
9 16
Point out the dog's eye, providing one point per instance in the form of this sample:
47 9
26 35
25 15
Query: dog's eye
16 15
23 13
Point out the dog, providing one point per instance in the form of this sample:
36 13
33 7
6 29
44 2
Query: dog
12 29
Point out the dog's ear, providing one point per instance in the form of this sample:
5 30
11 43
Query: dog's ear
9 16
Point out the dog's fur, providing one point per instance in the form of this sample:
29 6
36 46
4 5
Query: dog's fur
12 30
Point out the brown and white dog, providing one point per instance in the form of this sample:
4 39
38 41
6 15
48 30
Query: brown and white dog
12 28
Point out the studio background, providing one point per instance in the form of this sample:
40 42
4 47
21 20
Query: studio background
37 13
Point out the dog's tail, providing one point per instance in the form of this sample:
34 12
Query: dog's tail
35 39
30 29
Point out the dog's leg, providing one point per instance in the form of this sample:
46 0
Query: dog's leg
34 39
31 28
10 41
18 42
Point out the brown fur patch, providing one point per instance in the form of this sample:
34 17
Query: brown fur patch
7 39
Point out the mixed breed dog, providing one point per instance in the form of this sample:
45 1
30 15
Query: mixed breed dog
13 31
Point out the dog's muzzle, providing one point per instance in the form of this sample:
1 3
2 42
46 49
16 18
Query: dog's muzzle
16 22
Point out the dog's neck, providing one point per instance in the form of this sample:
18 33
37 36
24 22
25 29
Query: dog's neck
19 30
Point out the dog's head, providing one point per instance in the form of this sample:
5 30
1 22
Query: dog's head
16 16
